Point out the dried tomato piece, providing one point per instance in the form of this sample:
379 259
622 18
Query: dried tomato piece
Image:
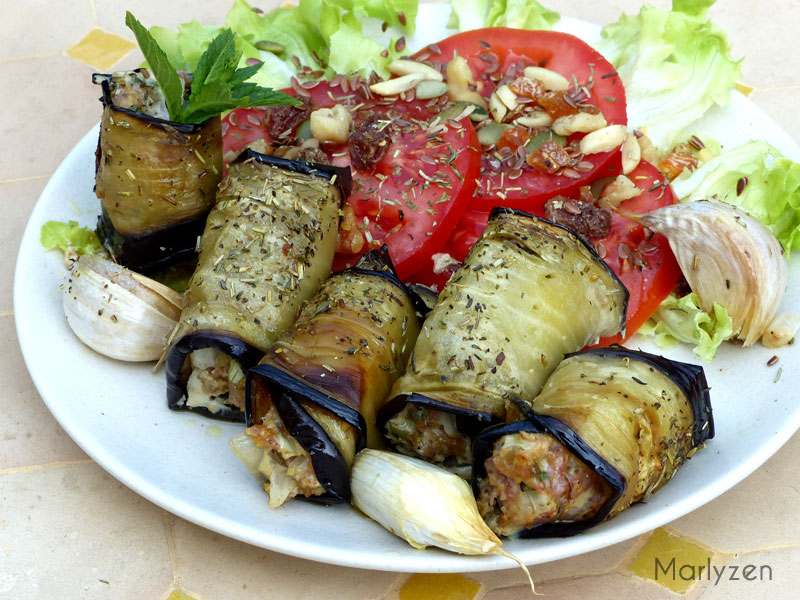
555 104
674 163
529 88
513 138
549 157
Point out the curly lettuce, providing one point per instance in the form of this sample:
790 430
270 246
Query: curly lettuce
675 66
520 14
61 235
682 320
757 178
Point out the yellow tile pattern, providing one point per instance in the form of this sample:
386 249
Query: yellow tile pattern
744 88
429 586
674 562
100 49
178 595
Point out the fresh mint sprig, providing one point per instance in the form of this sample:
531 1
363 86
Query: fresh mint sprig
217 85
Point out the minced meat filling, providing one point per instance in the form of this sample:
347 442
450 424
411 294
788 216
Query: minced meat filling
531 478
286 464
429 434
215 381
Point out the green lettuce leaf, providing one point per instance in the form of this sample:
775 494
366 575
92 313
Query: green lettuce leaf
682 320
57 234
772 193
520 14
336 36
675 66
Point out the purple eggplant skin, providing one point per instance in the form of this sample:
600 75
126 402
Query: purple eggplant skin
365 304
241 250
483 444
689 377
149 252
156 180
660 407
341 177
241 351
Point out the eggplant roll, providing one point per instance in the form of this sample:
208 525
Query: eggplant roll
156 179
528 293
312 400
609 428
268 245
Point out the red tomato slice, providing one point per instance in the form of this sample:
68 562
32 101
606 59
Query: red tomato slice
498 55
412 198
645 265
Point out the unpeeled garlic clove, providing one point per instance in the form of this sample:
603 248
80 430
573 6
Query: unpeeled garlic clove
727 257
119 313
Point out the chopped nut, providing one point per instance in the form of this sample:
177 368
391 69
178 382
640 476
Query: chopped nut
331 124
404 66
603 140
582 122
616 192
551 80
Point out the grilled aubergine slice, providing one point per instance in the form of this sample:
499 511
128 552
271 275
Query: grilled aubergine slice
312 400
156 179
529 292
609 428
268 245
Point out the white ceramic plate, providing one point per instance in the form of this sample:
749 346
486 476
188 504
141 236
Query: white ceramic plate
117 412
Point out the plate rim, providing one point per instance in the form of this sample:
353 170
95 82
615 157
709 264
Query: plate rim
430 560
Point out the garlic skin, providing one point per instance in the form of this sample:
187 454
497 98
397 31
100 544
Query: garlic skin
421 503
727 257
119 313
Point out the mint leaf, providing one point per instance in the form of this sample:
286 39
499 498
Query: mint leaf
216 97
166 75
217 84
245 73
218 62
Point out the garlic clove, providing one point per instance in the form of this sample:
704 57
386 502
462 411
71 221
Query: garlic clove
119 313
781 330
727 257
423 504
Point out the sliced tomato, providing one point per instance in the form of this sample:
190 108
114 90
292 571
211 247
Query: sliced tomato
412 198
642 260
497 55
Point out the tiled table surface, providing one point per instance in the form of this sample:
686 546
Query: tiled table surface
69 530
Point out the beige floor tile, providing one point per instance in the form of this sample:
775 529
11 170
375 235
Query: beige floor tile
38 36
29 435
46 537
17 199
60 99
771 574
769 61
203 570
591 563
744 519
111 15
613 586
